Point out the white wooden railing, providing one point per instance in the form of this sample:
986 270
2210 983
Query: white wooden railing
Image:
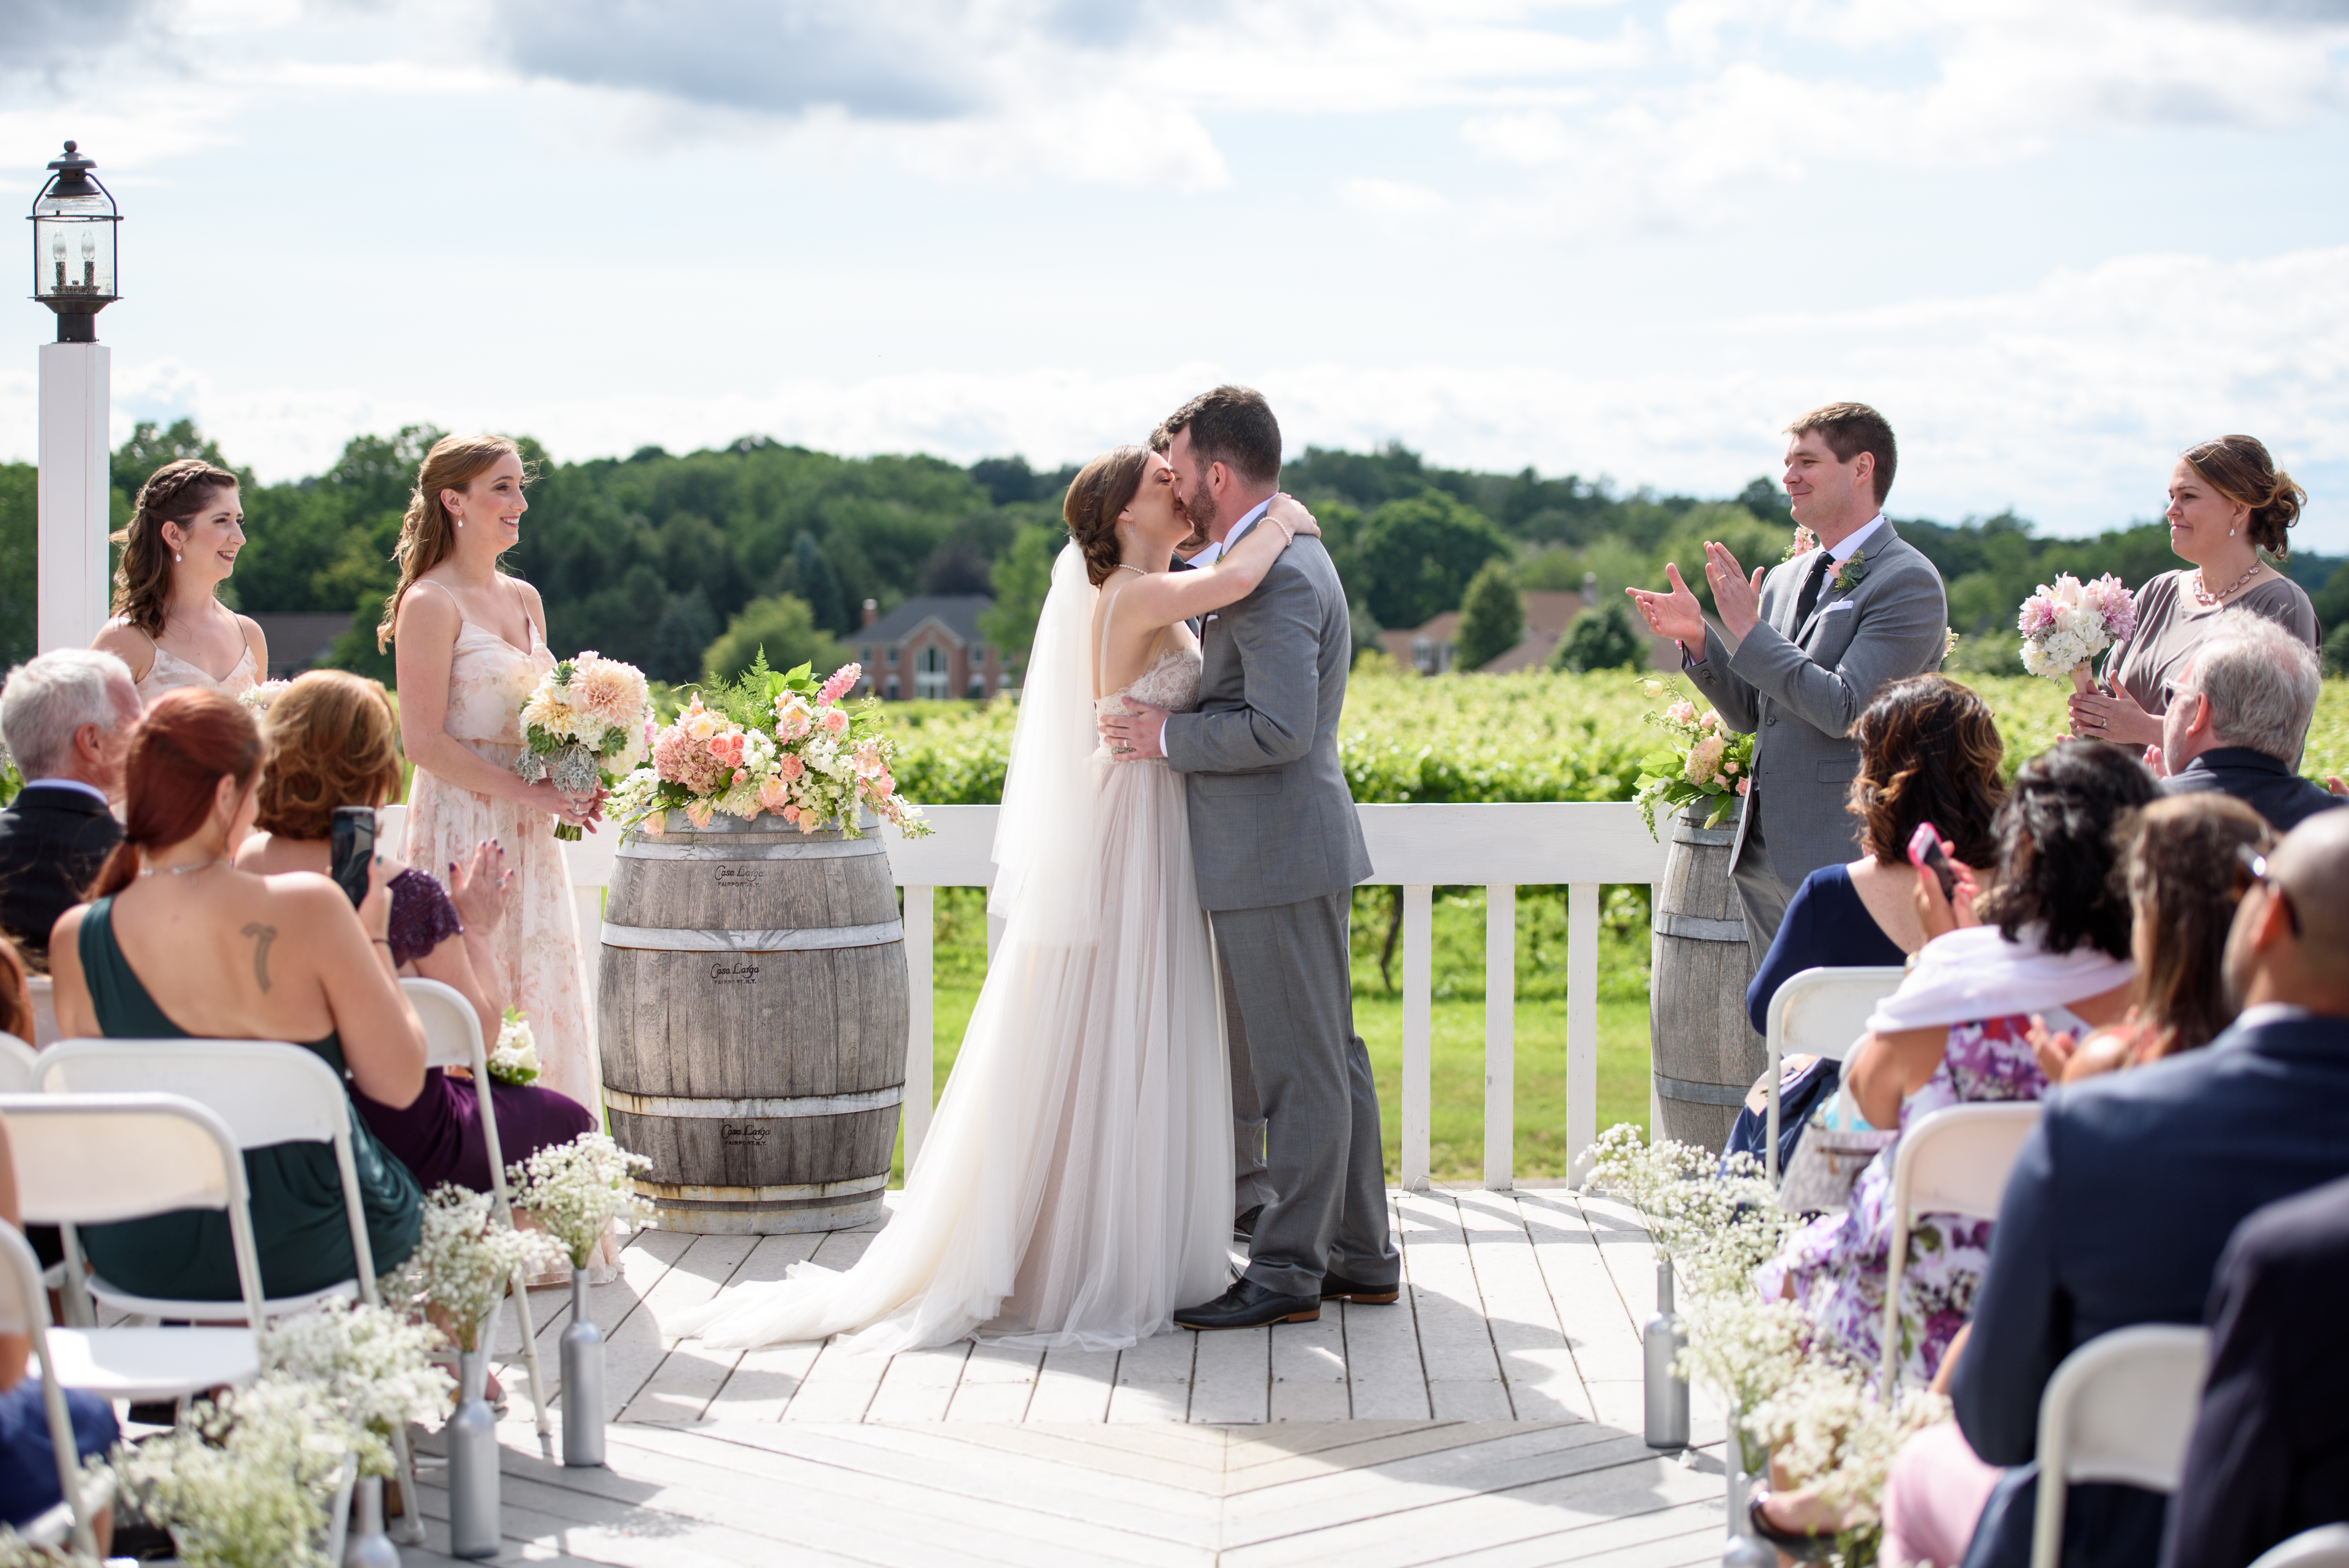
1501 848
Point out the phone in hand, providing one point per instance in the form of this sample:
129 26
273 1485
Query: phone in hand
350 846
1925 854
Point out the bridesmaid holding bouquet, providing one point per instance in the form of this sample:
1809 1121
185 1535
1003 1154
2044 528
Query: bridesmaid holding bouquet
471 644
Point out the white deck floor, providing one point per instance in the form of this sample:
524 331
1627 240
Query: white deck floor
1491 1416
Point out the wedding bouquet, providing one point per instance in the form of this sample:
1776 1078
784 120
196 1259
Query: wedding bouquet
259 698
515 1058
2064 628
464 1258
587 722
771 742
577 1191
1704 760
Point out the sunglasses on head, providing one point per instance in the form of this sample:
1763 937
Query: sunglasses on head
2250 866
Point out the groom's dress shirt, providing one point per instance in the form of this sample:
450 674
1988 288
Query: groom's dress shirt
1215 551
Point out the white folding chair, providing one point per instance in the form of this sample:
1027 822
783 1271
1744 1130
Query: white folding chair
24 1309
1954 1161
2326 1546
1821 1013
2121 1407
97 1159
15 1065
43 992
453 1039
268 1093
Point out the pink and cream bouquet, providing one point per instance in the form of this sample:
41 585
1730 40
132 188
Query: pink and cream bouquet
2065 627
588 722
1705 763
776 743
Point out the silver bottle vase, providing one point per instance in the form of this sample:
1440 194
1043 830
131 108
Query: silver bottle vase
471 1435
1662 1340
367 1546
1741 1548
583 1381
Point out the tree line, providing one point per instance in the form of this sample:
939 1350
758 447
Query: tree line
685 564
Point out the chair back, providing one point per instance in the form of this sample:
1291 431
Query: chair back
2121 1409
1820 1013
24 1309
453 1030
2326 1546
1953 1161
15 1065
43 990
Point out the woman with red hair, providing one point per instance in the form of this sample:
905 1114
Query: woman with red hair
177 942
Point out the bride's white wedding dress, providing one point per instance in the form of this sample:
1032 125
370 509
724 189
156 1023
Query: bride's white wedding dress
1076 1185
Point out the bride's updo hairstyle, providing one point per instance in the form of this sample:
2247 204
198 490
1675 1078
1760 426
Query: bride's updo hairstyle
2239 467
1101 489
183 747
428 533
142 578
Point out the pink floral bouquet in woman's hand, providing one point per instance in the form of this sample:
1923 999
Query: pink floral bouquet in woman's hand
2065 627
773 743
585 725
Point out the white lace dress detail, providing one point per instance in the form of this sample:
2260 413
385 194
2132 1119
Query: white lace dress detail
169 671
1076 1186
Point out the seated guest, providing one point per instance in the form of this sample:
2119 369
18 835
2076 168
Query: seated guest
28 1465
1928 752
333 742
66 718
2228 502
2269 1455
1956 1033
177 943
2238 717
2124 1196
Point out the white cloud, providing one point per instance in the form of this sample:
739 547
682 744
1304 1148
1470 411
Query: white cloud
1394 200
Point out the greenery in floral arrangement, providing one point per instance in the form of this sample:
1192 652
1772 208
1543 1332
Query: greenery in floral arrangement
246 1480
1705 763
465 1257
579 1190
369 1365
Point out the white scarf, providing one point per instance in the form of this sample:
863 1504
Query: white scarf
1975 973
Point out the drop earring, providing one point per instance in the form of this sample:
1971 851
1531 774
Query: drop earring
177 556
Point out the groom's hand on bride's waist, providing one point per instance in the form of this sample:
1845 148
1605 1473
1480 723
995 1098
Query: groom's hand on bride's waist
1137 735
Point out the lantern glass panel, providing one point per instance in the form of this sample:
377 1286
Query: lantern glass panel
73 247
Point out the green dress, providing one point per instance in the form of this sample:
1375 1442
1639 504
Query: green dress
298 1223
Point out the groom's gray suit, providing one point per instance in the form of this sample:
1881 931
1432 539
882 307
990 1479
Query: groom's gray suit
1279 851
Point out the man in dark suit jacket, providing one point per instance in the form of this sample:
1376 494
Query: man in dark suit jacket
2270 1456
66 718
2237 719
2123 1198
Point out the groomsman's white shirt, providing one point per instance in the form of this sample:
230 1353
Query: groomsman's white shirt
1208 557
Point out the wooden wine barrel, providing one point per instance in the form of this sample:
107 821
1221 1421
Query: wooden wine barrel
753 1009
1704 1052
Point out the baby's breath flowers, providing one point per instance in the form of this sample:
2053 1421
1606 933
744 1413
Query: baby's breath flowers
369 1365
579 1190
465 1257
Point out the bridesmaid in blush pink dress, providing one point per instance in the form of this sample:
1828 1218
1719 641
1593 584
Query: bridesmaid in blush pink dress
470 643
185 532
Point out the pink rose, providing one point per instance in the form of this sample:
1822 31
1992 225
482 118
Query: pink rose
834 720
1742 783
789 765
1681 712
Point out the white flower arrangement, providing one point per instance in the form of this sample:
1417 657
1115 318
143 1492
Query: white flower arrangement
464 1258
579 1190
246 1481
262 696
369 1365
515 1058
2066 626
1828 1428
587 721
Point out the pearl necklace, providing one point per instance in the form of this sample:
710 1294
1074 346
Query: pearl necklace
2202 595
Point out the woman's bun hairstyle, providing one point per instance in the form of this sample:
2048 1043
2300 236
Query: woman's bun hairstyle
2239 467
1102 489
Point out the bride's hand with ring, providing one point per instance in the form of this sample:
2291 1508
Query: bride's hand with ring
2116 717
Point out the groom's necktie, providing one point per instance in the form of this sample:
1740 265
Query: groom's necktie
1811 586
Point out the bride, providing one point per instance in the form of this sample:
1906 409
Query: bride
1076 1185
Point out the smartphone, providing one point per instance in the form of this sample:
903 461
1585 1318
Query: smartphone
351 845
1925 854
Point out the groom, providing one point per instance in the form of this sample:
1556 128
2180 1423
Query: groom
1278 849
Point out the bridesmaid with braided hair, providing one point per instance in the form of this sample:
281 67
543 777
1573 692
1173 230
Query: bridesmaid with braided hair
169 624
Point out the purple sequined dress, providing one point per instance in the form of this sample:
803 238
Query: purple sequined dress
438 1137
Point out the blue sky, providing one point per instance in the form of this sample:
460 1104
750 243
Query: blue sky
2053 242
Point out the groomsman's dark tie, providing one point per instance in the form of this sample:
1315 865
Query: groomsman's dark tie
1811 586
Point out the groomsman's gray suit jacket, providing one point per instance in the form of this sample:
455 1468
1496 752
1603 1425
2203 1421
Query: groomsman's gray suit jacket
1272 821
1800 689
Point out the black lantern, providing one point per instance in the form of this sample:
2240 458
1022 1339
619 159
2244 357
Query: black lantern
73 247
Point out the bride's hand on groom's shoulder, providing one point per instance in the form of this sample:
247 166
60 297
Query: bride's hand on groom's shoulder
1290 513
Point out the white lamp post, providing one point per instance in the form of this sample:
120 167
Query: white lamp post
74 221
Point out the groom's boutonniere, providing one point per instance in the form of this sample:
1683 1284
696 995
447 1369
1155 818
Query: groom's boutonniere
1848 574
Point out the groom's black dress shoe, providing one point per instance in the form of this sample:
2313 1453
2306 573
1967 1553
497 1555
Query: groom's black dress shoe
1338 1287
1249 1305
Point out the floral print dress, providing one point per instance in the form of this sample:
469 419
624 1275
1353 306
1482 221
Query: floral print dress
1836 1265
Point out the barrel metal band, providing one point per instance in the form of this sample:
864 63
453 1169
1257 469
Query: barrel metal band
1686 1089
784 849
805 939
763 1109
1710 837
684 1194
1696 928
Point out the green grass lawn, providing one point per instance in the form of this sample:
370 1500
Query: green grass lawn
1457 1140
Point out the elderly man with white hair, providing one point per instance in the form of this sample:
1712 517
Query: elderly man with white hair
66 718
2237 719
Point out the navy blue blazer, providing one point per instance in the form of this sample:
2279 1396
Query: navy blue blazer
2119 1205
1825 926
53 840
2258 780
2271 1453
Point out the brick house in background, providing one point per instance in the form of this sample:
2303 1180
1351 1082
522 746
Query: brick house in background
929 647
